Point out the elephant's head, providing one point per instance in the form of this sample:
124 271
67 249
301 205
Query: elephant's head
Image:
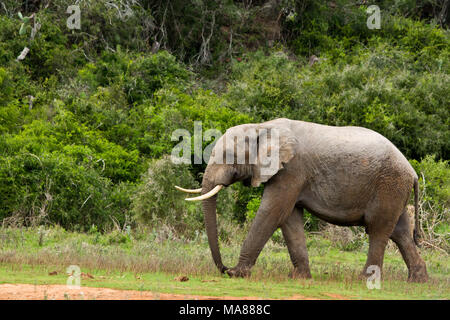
251 153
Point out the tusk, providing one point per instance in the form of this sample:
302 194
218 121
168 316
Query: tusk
207 195
199 190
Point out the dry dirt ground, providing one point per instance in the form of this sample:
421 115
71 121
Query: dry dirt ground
62 292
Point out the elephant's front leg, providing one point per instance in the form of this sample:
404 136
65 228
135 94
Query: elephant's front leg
277 204
294 235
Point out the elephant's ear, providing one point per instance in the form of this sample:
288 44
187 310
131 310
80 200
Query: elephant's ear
276 146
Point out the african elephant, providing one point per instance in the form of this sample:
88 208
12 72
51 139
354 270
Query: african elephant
348 176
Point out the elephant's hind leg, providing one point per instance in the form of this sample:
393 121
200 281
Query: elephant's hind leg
294 235
383 213
402 236
379 228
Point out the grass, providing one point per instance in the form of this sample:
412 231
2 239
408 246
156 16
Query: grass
151 261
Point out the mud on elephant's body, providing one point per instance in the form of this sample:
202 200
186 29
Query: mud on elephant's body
349 176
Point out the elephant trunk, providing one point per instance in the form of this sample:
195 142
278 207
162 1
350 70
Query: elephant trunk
209 210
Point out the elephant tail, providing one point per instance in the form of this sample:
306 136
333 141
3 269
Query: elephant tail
416 233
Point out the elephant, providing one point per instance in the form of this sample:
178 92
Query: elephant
348 176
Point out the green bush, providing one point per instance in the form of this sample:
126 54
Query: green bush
69 137
173 109
345 238
138 75
6 87
157 201
52 188
434 200
252 208
147 74
367 92
116 237
434 176
87 111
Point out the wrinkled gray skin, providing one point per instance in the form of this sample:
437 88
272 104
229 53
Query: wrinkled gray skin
348 176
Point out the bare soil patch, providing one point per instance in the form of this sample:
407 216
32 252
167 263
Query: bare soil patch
63 292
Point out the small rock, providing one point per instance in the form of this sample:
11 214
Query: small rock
87 275
181 278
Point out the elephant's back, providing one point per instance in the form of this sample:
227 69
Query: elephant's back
352 157
346 142
353 150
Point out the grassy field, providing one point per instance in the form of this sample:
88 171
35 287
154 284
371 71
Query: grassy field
151 260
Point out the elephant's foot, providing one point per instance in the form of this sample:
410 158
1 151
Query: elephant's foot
239 272
364 275
223 269
298 273
418 274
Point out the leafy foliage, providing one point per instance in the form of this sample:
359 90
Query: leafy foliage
86 118
52 188
395 100
157 202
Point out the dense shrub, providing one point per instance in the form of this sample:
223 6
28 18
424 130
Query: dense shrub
87 111
157 202
70 138
173 109
345 238
156 199
6 87
367 93
315 27
138 76
435 178
52 188
434 181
